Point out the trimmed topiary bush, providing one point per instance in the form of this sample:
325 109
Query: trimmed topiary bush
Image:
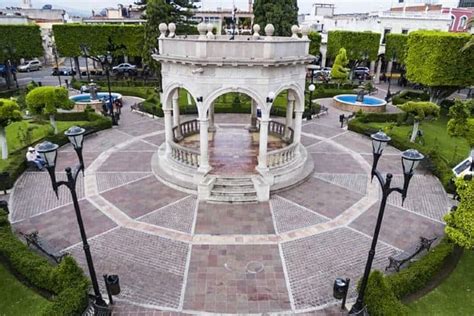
380 299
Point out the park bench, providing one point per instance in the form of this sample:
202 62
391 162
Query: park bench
323 111
396 262
33 239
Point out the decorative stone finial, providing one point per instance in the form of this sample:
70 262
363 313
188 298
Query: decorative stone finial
163 28
256 30
210 35
305 32
172 29
295 29
269 30
202 30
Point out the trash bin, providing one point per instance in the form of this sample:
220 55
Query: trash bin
113 284
340 288
4 206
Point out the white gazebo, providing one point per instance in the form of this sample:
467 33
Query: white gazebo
209 66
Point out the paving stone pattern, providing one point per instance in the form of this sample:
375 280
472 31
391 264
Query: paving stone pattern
178 256
53 225
109 180
353 182
322 197
34 194
178 216
236 279
289 216
151 268
225 219
313 263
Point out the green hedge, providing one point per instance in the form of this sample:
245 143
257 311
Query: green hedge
329 93
433 160
410 95
382 117
65 281
384 292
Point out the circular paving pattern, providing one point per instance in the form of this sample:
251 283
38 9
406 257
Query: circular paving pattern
174 253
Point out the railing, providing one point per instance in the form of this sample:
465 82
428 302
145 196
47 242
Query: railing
186 129
282 157
186 156
278 129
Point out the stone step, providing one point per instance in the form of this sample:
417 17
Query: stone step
233 199
233 193
234 188
233 181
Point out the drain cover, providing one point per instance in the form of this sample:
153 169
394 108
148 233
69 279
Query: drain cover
254 267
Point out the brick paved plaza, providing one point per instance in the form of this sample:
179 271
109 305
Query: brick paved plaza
176 254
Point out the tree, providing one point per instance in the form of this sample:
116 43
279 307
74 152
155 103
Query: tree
315 43
9 112
435 59
357 45
396 45
339 72
47 101
283 14
161 11
19 41
460 223
419 111
459 114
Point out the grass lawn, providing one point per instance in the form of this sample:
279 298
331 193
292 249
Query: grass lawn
455 296
17 299
452 149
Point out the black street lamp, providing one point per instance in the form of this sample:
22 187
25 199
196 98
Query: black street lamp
49 152
106 61
389 94
410 160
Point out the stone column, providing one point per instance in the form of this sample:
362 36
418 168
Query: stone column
168 130
289 114
253 116
190 100
298 126
377 74
372 67
176 115
263 144
212 127
323 58
204 145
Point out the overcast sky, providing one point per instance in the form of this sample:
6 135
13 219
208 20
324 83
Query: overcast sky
342 6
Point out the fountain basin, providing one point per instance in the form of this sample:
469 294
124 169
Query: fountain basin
81 101
349 103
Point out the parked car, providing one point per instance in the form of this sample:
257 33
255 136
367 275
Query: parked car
362 73
125 68
30 65
322 75
63 72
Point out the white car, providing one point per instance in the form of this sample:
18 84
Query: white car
30 65
125 68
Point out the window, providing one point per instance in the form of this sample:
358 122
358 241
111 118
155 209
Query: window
453 19
462 22
404 31
385 33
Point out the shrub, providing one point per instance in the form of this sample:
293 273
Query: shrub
65 281
384 292
410 95
382 117
72 116
380 299
329 93
420 272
